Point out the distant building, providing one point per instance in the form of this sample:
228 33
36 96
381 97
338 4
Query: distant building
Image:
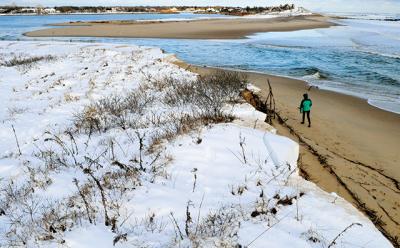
28 11
169 11
117 9
212 10
49 11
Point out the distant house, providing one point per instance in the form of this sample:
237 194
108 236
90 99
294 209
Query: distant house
169 11
190 9
117 9
28 10
211 10
49 11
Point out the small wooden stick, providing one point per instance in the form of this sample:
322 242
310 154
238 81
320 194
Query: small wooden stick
16 139
340 234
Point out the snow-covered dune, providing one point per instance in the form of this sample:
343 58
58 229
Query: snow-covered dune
154 177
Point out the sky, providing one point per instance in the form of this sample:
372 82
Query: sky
370 6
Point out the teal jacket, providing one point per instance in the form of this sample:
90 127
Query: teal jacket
305 105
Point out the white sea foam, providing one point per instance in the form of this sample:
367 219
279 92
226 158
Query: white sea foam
366 16
386 105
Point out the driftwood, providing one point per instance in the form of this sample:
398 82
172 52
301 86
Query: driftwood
270 105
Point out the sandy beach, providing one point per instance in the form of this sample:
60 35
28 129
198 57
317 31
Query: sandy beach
196 29
351 148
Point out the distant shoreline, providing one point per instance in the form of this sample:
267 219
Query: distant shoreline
229 28
104 13
56 14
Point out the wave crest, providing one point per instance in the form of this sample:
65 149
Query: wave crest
311 71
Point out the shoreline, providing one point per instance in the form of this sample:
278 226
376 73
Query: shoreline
55 14
229 28
340 156
102 13
346 93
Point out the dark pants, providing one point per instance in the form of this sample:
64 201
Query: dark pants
308 116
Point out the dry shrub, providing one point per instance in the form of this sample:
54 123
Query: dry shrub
26 62
70 98
314 237
88 121
138 101
207 95
221 226
31 218
229 82
112 112
222 223
203 99
180 92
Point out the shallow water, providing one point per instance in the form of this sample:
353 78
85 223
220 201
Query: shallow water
361 57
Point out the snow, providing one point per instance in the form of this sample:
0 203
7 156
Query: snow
253 88
294 12
90 235
220 173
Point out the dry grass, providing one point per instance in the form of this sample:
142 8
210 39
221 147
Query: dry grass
207 95
26 62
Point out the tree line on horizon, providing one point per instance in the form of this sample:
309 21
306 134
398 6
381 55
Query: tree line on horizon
13 9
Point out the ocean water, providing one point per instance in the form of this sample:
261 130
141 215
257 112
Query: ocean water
360 56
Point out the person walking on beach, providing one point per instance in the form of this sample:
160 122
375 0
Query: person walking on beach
305 108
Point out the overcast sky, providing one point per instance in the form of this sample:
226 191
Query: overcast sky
389 6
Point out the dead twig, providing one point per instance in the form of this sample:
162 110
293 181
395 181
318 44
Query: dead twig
195 178
341 233
16 139
266 230
198 215
176 225
242 143
188 218
82 194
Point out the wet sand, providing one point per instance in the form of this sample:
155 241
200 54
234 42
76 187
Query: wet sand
352 148
194 29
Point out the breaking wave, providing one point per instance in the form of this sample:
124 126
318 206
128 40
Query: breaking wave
314 72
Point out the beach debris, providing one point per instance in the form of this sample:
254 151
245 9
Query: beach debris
270 105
